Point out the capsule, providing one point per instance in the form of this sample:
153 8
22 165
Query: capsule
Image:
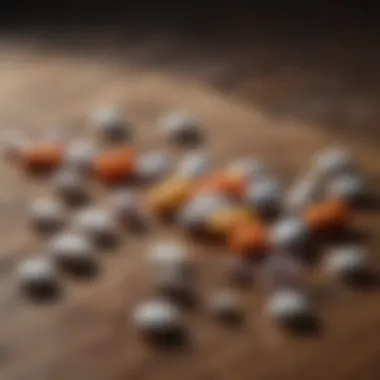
115 166
42 157
327 216
251 240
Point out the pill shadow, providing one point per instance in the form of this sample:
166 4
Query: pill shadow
309 326
185 298
232 320
347 235
84 271
189 140
78 201
366 280
43 294
137 226
370 203
174 340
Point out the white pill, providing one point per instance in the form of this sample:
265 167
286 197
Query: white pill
111 123
289 233
265 194
157 317
96 223
70 185
181 126
171 255
287 305
224 303
196 213
37 273
350 187
249 168
194 165
153 166
346 261
125 204
334 161
79 155
304 192
46 213
72 248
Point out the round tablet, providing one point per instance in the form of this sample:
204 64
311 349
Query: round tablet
289 234
37 273
181 127
157 317
70 185
79 155
153 166
46 213
111 123
287 305
168 255
14 144
125 204
334 161
347 261
72 248
194 165
265 195
96 223
348 187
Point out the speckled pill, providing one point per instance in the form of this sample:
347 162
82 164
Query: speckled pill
111 123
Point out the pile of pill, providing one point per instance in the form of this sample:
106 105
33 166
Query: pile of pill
268 230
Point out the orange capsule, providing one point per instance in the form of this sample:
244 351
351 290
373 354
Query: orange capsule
228 184
42 157
327 216
224 221
168 196
115 166
250 239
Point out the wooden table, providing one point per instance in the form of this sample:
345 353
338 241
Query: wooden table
87 334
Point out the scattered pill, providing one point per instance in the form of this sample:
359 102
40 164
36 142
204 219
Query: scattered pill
347 261
172 255
288 306
111 124
181 127
14 144
248 168
265 195
194 165
79 155
72 249
37 274
42 157
97 224
334 161
349 187
290 233
70 186
157 317
153 166
46 214
126 205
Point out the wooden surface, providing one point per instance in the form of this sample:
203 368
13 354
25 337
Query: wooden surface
87 334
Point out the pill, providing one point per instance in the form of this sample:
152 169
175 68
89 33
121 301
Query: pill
45 213
194 165
265 195
14 144
79 155
126 204
96 223
169 254
287 305
327 215
250 240
181 127
153 166
37 274
334 161
349 187
347 261
42 157
72 249
157 317
248 168
115 166
70 185
111 123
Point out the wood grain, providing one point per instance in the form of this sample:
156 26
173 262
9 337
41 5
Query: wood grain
88 333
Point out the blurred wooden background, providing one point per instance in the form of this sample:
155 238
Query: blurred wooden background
278 81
